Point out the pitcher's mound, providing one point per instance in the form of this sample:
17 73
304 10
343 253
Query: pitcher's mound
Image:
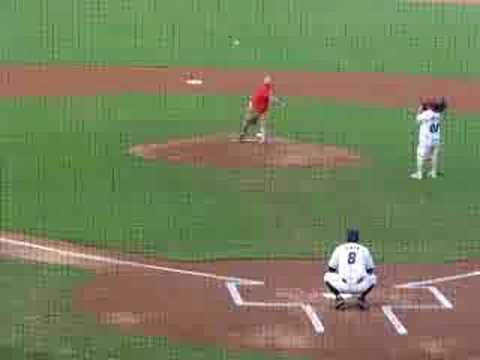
228 152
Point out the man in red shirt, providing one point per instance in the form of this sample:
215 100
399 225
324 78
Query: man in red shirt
258 107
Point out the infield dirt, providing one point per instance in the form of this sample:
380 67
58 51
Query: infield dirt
224 152
200 310
194 309
374 89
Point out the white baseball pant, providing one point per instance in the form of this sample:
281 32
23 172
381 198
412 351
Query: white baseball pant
428 151
353 285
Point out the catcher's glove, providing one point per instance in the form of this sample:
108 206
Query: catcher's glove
441 105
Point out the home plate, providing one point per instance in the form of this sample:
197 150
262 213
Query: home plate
331 296
194 82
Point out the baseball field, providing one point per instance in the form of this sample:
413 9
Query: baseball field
134 225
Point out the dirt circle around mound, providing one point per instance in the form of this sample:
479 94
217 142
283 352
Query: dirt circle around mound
224 151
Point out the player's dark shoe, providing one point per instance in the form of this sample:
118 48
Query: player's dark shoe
242 137
339 303
363 304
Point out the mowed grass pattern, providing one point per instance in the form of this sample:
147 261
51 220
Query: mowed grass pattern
65 172
371 35
76 158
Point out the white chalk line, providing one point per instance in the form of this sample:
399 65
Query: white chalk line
445 303
397 324
194 82
438 280
306 308
442 299
116 261
235 294
314 319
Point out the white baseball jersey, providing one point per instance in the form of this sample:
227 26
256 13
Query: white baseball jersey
351 260
429 133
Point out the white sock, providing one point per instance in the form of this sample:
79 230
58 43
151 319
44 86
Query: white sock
262 128
419 165
435 161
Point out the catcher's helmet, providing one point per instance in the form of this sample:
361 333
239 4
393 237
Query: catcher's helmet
353 235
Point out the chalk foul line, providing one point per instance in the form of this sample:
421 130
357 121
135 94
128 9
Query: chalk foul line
415 284
117 261
232 284
306 308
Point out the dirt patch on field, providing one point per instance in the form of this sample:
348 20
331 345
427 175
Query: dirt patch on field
192 302
225 152
386 90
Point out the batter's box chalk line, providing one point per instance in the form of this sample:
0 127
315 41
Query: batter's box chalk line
232 284
423 285
307 309
443 303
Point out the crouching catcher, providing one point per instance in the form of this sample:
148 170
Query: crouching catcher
351 272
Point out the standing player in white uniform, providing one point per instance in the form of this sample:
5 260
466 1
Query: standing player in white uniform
429 117
351 271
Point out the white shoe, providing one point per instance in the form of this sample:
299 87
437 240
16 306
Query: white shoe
260 137
417 176
432 175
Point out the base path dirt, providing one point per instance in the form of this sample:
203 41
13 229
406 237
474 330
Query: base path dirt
227 152
380 89
284 311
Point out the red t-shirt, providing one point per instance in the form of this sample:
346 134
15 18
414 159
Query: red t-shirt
261 98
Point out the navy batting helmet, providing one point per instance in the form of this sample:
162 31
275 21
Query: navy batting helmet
353 235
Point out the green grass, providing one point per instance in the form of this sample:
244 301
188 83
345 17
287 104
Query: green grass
64 172
341 35
70 177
